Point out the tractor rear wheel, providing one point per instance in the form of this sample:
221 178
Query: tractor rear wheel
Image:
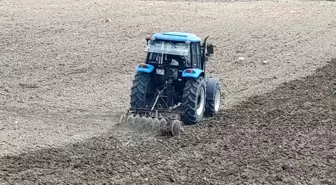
140 89
193 100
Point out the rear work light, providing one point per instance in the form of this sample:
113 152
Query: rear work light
143 66
190 71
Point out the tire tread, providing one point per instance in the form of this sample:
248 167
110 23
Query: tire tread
189 100
138 90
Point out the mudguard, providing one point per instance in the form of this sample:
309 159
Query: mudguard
192 73
145 68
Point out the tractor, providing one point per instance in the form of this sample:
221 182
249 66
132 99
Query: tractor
171 87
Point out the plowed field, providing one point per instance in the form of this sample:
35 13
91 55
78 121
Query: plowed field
66 68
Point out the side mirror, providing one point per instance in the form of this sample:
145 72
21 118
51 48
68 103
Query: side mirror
210 50
147 39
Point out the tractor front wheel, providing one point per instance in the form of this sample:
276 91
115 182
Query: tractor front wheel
193 100
213 93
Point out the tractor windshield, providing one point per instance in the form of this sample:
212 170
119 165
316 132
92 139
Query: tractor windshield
168 47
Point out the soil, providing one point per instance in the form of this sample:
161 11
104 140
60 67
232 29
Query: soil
66 69
286 136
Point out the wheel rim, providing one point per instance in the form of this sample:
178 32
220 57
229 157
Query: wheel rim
201 101
217 100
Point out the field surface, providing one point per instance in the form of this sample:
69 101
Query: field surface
66 68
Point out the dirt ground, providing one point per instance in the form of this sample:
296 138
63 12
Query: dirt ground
66 68
286 136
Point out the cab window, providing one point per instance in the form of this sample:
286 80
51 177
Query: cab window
196 55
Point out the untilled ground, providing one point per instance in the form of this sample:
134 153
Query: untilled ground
286 136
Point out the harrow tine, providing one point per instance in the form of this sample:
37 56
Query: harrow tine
142 124
175 127
149 124
163 124
136 120
130 120
156 125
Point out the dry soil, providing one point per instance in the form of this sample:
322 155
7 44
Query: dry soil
66 68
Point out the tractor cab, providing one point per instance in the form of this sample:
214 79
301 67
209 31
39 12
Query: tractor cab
183 50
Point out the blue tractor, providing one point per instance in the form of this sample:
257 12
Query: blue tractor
171 88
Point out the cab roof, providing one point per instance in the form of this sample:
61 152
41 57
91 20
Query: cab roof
176 36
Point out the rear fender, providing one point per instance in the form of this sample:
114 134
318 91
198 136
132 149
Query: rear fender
145 68
192 73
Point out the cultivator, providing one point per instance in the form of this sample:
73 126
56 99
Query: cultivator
158 122
158 117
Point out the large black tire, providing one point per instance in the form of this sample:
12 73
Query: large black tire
193 92
139 90
213 100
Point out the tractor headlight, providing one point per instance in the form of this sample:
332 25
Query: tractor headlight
174 63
